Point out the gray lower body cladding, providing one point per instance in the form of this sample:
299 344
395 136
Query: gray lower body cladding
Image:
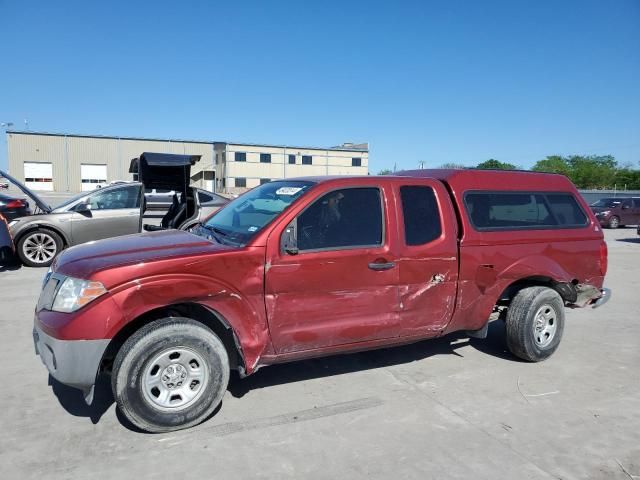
71 362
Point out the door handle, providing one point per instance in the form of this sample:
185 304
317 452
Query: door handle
380 266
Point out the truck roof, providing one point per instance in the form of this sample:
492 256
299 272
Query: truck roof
460 180
485 179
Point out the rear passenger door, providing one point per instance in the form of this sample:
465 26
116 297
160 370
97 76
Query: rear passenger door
428 260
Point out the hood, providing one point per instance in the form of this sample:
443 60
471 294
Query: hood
83 260
29 193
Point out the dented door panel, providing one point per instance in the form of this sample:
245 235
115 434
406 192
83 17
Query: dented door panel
325 298
428 273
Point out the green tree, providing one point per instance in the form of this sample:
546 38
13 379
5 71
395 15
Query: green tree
586 171
385 171
592 171
627 178
494 164
553 164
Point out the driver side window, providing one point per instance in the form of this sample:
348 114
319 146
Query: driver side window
118 198
346 218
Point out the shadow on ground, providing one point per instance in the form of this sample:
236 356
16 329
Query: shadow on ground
629 240
9 264
493 345
72 400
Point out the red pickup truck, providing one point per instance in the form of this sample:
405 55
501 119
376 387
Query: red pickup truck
308 267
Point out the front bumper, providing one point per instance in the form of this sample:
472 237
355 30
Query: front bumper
604 298
71 362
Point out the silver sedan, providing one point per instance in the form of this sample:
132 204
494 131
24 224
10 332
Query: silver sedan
107 212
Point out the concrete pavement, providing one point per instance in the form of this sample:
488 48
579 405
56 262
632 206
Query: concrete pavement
452 408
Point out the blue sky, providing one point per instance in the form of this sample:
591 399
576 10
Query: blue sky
434 81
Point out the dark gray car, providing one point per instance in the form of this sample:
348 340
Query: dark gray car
107 212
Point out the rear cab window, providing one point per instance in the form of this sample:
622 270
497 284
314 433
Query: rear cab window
510 210
422 223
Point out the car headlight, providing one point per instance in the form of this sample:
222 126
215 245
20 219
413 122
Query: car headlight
75 293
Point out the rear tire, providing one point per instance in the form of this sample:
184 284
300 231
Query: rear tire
614 222
38 248
535 322
169 375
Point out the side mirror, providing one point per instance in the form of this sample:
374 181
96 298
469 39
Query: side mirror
83 207
624 207
289 241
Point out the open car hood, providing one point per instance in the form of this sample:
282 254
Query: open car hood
164 171
29 193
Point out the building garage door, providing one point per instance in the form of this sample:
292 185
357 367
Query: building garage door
92 176
38 176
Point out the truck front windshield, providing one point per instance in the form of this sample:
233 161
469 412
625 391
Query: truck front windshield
242 219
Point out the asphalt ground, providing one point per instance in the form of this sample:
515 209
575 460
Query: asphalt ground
447 408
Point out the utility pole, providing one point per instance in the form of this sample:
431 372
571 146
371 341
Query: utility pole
6 126
421 163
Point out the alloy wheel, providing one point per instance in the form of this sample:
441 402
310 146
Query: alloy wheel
39 247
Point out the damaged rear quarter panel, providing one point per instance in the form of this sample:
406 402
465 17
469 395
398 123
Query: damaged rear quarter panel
487 270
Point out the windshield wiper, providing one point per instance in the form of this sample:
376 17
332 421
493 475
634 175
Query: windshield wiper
214 231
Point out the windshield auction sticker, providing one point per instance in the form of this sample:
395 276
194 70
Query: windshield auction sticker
288 190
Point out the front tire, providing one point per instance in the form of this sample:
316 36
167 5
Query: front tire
535 322
169 375
39 247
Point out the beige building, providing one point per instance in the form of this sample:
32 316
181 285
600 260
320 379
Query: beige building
73 163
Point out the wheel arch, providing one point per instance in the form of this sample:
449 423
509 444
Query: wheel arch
42 226
566 290
211 319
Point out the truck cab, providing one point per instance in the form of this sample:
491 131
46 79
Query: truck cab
308 267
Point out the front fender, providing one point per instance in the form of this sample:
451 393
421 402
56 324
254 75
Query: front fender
22 228
243 312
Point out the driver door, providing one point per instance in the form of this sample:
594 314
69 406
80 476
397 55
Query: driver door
113 212
339 285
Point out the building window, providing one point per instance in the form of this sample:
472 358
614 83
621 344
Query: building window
264 180
265 158
241 182
241 157
356 162
292 159
306 160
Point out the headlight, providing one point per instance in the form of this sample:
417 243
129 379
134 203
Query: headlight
75 293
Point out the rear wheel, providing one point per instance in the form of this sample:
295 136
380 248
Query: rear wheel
39 247
614 222
170 374
535 322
